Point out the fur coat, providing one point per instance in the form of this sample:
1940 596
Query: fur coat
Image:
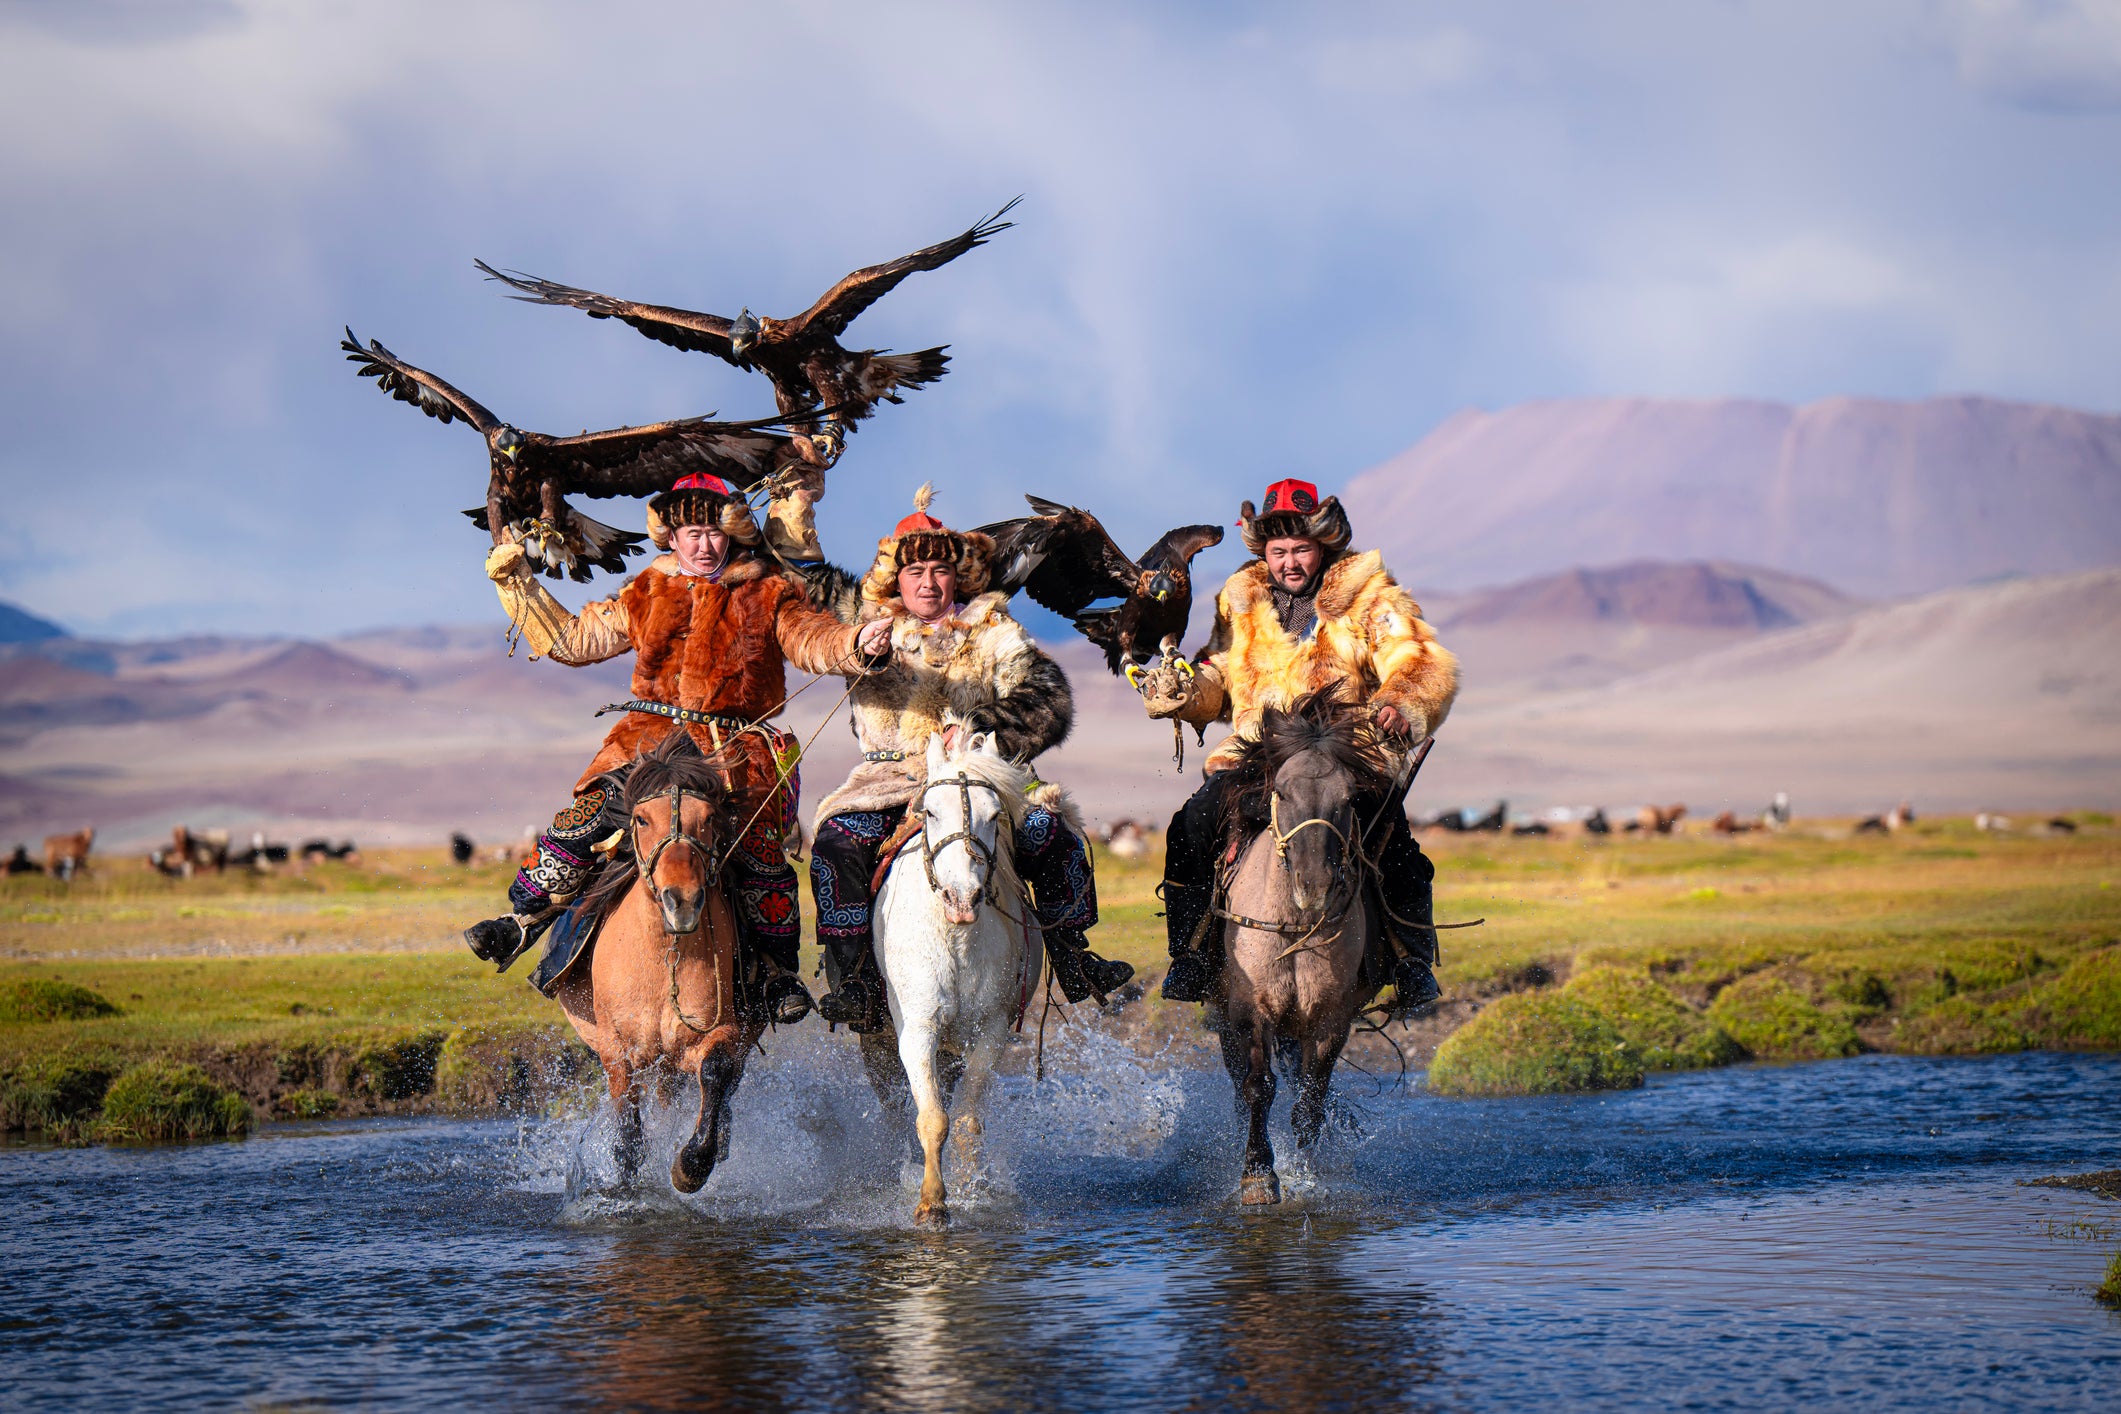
719 646
1369 642
977 664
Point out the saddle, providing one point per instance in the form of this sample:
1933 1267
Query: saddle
887 852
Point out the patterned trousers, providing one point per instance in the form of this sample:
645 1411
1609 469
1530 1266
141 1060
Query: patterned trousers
1049 856
761 883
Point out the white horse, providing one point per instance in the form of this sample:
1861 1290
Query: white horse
958 945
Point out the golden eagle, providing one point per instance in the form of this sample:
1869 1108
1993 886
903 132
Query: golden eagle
530 472
1063 559
802 355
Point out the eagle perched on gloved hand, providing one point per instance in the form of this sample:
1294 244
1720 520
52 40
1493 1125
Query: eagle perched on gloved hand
812 374
1064 560
529 473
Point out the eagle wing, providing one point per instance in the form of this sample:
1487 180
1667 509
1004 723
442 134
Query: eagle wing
680 328
416 386
838 306
1062 558
1175 551
645 461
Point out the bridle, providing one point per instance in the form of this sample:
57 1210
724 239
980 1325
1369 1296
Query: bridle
982 855
676 835
1341 884
646 867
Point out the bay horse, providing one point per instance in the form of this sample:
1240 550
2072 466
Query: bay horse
658 996
959 949
1298 914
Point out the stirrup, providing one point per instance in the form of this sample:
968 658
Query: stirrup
1190 979
783 997
1414 988
857 1005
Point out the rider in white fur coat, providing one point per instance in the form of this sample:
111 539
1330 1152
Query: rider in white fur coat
956 652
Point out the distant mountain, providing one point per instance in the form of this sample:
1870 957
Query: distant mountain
1588 626
21 626
1882 498
2003 695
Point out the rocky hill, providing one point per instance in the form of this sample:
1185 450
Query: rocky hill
1880 498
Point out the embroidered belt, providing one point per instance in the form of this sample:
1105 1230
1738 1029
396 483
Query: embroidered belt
676 714
883 756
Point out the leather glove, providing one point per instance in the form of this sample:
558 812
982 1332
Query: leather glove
506 563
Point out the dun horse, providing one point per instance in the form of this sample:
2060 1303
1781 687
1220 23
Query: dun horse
959 949
658 995
1298 916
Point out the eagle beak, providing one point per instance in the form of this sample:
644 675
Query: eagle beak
509 452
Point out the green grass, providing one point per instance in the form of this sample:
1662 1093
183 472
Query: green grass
1535 1043
1663 1031
349 982
42 999
162 1101
2109 1291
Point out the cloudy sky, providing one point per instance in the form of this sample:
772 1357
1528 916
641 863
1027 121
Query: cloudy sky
1255 240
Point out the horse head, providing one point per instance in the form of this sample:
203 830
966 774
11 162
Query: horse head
681 818
1300 778
963 809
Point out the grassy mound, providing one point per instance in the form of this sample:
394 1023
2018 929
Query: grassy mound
1663 1031
55 1095
44 999
2079 1007
161 1101
1769 1017
508 1065
2109 1291
1535 1043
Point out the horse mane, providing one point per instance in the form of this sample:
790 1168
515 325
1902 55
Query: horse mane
1316 722
1009 779
675 761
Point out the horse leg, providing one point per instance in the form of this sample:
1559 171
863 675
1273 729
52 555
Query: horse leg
916 1051
1246 1057
695 1159
887 1077
626 1097
1308 1114
971 1094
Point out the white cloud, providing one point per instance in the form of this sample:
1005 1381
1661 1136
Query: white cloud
2059 56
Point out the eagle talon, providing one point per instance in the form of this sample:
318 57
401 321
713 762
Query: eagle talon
1182 666
1135 675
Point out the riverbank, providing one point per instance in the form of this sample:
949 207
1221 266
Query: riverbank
342 990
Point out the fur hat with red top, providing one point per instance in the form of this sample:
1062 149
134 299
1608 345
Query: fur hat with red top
920 537
701 499
1294 510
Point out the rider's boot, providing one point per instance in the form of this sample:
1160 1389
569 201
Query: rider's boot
1081 972
1193 973
1189 893
842 863
566 859
1404 881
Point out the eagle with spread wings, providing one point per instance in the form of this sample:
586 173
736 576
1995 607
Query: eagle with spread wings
1064 560
818 384
531 473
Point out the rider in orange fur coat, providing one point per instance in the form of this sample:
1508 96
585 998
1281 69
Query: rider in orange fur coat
1307 613
712 627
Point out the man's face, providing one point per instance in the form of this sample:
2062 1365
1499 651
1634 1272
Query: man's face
929 588
700 548
1293 561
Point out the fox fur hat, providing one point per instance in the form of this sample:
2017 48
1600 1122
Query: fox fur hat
701 499
920 537
1293 509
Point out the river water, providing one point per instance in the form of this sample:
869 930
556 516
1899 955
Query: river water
1829 1235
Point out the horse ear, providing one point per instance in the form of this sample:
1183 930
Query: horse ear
935 753
983 743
